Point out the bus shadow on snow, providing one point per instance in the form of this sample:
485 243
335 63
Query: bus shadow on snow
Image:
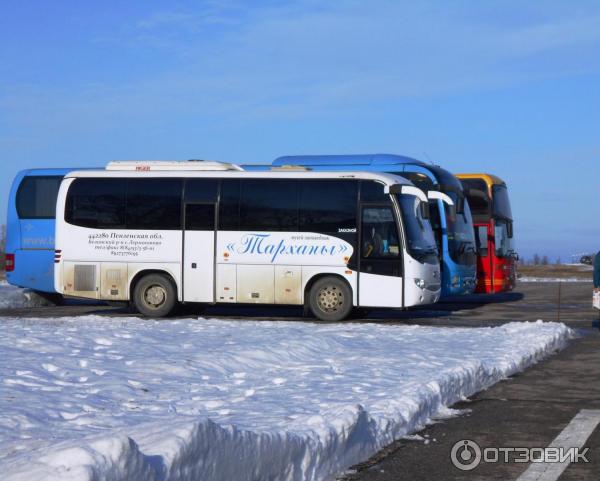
473 301
445 307
440 309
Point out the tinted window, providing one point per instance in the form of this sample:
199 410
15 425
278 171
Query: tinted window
422 181
229 208
371 191
154 204
504 243
481 236
420 241
328 206
96 203
478 184
436 222
36 197
501 202
478 198
460 233
201 190
200 216
270 205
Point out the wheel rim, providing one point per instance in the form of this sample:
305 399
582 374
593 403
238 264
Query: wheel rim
330 298
155 296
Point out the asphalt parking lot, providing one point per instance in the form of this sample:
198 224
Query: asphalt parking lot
569 303
527 410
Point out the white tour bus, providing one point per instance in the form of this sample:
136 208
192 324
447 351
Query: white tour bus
157 233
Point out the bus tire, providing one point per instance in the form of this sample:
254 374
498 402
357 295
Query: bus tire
155 295
330 299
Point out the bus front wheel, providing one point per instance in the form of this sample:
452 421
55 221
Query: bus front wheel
154 295
330 299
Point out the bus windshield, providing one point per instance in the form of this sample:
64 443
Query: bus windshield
461 236
420 241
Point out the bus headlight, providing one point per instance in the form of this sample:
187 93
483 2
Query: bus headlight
421 284
455 281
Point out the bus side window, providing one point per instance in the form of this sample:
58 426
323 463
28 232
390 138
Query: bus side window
229 205
96 203
329 207
372 191
36 197
154 204
201 190
269 205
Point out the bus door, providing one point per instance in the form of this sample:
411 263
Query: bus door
492 259
199 251
485 264
380 262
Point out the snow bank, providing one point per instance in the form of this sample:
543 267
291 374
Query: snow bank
552 279
15 297
129 399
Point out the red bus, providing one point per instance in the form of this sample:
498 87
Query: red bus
493 223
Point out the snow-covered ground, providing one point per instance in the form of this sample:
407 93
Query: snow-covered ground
14 297
199 399
552 279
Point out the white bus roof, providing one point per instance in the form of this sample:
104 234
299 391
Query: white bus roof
385 178
168 165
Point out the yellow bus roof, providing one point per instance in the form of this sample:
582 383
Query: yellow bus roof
488 178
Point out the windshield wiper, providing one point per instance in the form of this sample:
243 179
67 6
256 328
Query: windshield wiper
430 250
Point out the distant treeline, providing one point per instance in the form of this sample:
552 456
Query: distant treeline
538 260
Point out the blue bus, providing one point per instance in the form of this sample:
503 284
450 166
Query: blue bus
30 223
453 225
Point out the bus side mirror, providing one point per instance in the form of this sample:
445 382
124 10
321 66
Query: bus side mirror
445 198
509 229
412 190
453 212
436 194
433 195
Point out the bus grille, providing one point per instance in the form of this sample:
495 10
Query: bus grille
85 277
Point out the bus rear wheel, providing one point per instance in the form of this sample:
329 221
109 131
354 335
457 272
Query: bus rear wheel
330 299
154 295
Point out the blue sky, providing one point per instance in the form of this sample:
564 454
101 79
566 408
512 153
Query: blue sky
512 88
